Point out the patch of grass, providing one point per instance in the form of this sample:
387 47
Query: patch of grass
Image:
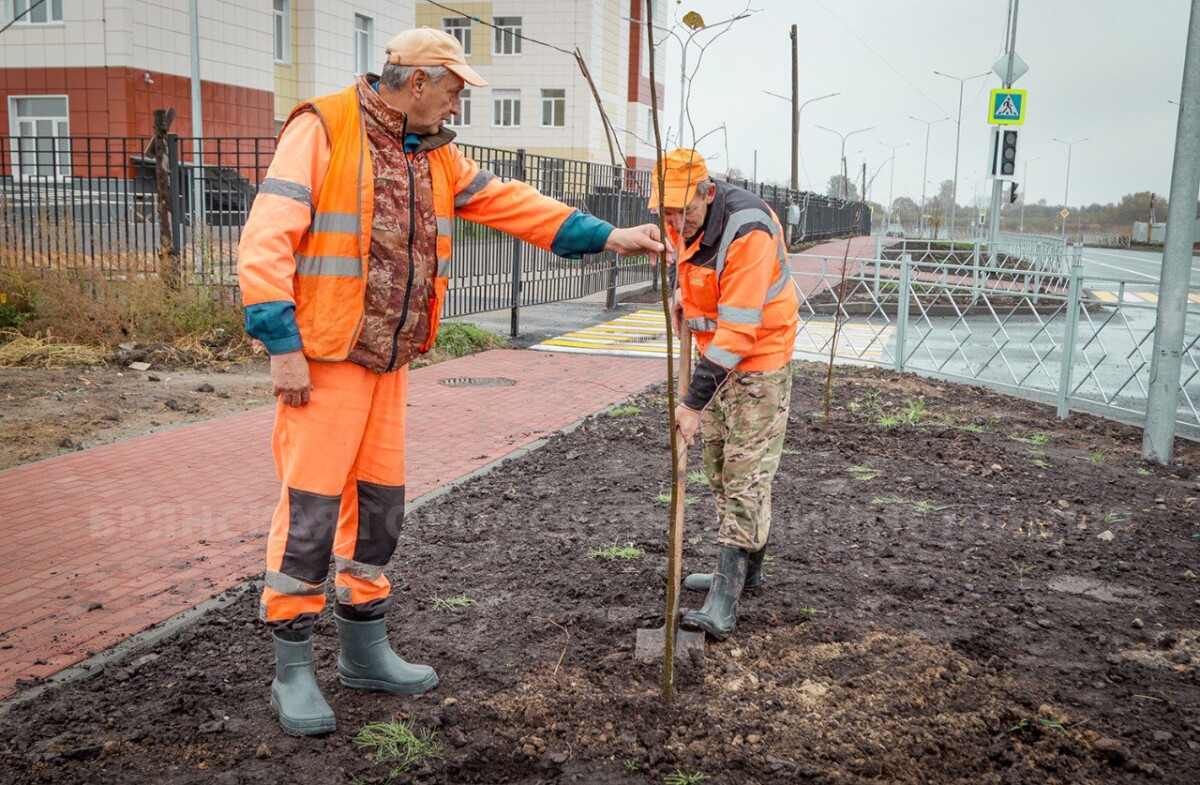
677 777
914 410
1022 571
1024 725
1145 473
627 552
697 477
458 339
887 421
790 451
1036 437
398 743
665 498
1112 516
630 765
695 539
437 603
1041 464
624 411
920 506
863 473
1098 455
813 611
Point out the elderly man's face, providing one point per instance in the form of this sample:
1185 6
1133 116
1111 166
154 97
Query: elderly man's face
687 220
433 103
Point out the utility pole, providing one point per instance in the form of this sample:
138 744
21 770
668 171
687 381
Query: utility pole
1067 186
1025 198
844 137
925 171
997 183
1158 438
795 114
962 80
197 120
892 175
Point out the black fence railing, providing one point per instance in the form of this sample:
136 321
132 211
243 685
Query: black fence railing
124 207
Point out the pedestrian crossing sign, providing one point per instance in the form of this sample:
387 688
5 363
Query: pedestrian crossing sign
1008 106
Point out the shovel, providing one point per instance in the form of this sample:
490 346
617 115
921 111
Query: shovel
653 644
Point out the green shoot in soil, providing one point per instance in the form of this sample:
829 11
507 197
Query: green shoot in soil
624 411
665 498
914 410
677 777
790 451
695 539
1098 455
628 552
888 421
864 473
1145 473
1037 437
437 603
396 742
697 477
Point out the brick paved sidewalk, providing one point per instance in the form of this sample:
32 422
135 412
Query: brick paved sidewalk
98 545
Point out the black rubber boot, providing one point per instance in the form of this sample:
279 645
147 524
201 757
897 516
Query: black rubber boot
367 661
719 614
701 581
295 696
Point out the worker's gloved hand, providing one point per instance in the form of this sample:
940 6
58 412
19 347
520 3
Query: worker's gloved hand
687 422
289 378
635 240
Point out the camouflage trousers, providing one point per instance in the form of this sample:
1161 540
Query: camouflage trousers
743 429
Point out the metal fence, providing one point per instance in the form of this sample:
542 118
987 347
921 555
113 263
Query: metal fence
94 204
1079 341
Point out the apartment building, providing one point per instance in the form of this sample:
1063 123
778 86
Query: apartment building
92 68
537 98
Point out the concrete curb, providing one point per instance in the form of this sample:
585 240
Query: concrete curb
159 631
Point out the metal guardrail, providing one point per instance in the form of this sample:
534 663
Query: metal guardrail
91 204
1081 342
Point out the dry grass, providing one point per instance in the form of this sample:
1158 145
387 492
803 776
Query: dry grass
44 352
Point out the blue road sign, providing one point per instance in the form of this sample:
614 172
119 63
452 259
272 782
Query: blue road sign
1007 106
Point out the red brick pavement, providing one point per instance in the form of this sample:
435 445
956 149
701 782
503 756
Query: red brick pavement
98 545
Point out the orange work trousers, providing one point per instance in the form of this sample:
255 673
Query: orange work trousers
341 459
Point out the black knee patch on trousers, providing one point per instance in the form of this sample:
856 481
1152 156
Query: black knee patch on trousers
380 516
312 525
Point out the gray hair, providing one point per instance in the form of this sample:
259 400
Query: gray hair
395 76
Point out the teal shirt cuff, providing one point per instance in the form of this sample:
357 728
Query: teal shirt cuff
274 324
580 234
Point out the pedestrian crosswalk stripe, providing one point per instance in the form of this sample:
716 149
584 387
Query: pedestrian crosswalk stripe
643 334
1134 297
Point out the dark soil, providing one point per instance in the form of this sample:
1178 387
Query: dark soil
942 604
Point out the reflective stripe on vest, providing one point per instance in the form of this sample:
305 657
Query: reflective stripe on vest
345 223
345 266
287 189
736 222
721 356
477 184
740 315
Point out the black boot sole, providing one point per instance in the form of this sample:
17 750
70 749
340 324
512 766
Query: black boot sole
702 623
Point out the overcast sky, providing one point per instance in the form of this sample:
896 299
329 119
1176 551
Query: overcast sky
1101 69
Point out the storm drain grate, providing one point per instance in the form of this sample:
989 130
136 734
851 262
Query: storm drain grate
477 381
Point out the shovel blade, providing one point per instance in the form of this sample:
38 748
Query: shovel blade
652 644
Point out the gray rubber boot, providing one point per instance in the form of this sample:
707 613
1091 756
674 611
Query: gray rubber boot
295 696
701 581
367 661
719 614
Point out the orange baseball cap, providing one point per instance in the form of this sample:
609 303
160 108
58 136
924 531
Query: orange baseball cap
685 169
425 46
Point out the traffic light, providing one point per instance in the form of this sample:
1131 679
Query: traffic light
1012 193
1004 153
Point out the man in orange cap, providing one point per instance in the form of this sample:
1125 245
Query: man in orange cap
734 288
342 266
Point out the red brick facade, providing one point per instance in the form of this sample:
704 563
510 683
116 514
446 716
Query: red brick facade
119 101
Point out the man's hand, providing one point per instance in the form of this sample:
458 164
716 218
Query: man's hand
677 312
687 422
289 378
635 240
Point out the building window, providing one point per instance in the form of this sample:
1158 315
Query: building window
554 108
42 136
463 118
506 107
47 13
283 32
364 40
508 35
461 29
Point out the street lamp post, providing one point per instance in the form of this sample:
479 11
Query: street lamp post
925 170
892 175
844 137
962 80
1025 198
1067 187
798 112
